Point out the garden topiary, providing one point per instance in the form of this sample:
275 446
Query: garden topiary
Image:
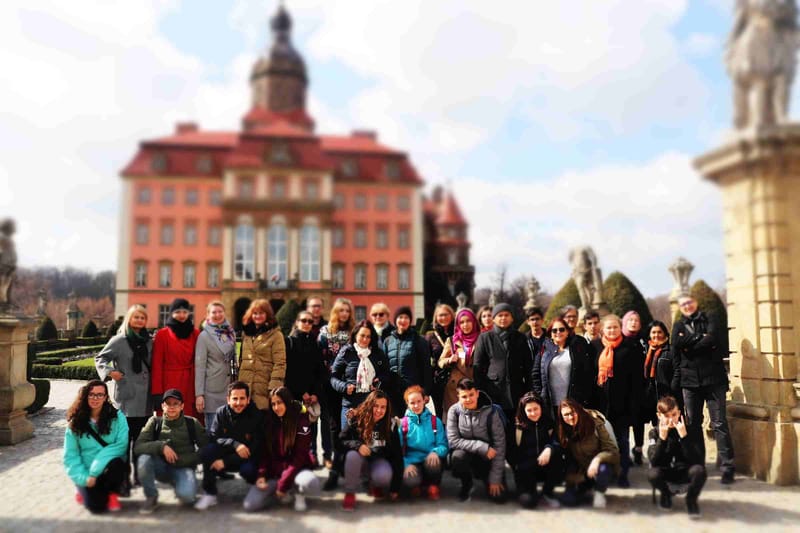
90 330
47 330
567 295
621 296
286 315
42 394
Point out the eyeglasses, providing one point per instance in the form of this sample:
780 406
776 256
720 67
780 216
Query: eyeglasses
96 395
687 303
558 330
306 321
315 305
568 415
378 314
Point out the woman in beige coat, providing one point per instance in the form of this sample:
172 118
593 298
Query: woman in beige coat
457 356
262 364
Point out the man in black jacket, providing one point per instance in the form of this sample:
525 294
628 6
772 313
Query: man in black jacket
237 439
675 457
699 372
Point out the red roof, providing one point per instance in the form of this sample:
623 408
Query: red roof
355 144
259 117
197 139
449 212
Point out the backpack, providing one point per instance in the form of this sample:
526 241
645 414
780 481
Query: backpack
606 424
503 418
404 429
189 427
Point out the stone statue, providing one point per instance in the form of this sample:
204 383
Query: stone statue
41 309
462 300
8 261
493 298
681 269
761 59
587 276
531 291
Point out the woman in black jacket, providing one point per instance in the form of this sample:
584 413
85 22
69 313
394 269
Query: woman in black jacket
360 368
658 369
444 319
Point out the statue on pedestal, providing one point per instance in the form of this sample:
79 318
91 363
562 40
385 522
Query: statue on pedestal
493 298
681 269
8 261
41 308
587 276
462 300
531 291
761 60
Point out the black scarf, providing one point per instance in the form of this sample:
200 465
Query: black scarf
182 330
504 334
138 344
251 330
443 332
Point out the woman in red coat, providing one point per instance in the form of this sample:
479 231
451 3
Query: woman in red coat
173 356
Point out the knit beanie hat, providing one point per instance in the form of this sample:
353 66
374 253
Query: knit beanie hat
403 310
499 308
179 304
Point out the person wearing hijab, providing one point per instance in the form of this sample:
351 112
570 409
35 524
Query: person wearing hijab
457 355
215 362
173 355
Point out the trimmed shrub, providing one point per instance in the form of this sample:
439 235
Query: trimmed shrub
83 373
47 330
52 360
286 315
567 295
69 352
113 328
621 296
90 330
42 395
424 326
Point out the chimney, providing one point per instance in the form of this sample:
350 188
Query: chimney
372 135
185 127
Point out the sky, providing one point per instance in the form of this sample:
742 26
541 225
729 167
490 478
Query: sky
556 124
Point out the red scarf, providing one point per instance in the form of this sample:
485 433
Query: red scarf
605 362
652 356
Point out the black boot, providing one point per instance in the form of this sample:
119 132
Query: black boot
637 456
332 481
666 500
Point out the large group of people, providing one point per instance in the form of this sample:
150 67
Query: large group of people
393 410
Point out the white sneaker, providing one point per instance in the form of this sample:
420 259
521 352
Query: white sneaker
205 501
599 500
300 503
550 502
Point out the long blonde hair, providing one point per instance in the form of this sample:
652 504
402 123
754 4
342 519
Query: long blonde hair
333 321
123 329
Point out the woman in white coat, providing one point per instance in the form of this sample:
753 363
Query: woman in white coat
215 362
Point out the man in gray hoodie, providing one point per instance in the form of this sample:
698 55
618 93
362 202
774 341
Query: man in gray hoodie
477 438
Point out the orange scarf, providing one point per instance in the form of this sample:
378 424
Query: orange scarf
652 357
605 362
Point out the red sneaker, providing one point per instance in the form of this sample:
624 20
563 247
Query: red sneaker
349 503
433 493
113 503
377 493
78 498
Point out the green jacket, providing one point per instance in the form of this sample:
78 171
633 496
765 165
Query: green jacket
174 434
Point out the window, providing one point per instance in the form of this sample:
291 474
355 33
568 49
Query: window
142 233
338 200
159 163
246 188
338 237
215 197
189 275
338 276
350 168
165 275
279 189
392 170
143 195
163 315
204 164
403 240
244 253
168 196
192 196
361 313
309 253
382 237
360 202
312 190
453 233
214 235
403 277
382 276
190 234
278 255
212 270
452 257
360 279
280 153
381 202
140 275
403 203
167 233
360 236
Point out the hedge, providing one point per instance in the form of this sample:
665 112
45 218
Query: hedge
621 296
83 373
567 295
69 352
42 395
90 330
287 315
47 330
48 360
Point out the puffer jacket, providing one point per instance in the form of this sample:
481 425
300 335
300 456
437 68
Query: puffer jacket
263 364
229 430
421 439
175 435
475 431
697 352
580 378
345 368
410 359
84 457
600 444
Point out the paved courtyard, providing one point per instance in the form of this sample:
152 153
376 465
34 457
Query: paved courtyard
36 495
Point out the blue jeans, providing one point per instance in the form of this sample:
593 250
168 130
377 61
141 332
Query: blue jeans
153 467
209 420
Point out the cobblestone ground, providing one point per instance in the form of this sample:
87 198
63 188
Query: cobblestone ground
36 495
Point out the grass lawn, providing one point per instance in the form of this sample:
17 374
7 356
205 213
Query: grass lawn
89 361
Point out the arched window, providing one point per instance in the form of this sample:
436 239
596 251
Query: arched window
244 253
277 256
309 253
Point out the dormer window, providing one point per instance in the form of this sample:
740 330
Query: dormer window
159 163
392 170
349 168
280 153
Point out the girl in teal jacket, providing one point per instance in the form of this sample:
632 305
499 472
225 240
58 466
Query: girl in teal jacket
424 442
95 445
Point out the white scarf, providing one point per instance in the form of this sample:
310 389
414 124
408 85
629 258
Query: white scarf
365 374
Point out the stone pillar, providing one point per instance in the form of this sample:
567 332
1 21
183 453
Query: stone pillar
15 392
681 269
759 176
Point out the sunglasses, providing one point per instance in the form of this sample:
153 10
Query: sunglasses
306 321
558 330
378 314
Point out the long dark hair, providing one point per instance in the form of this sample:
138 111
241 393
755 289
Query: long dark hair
582 429
79 413
522 419
661 325
289 419
373 335
363 417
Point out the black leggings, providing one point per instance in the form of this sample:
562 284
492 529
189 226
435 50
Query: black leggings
95 499
135 425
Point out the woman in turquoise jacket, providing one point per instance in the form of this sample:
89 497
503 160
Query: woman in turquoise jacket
95 445
424 442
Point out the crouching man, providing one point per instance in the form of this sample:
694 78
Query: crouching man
167 450
236 442
675 457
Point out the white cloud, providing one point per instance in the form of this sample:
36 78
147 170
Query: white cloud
701 44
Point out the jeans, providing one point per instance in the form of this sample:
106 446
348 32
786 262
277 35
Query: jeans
529 474
95 499
355 465
248 469
305 483
155 467
695 476
135 425
467 465
714 397
600 482
622 431
425 475
209 418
